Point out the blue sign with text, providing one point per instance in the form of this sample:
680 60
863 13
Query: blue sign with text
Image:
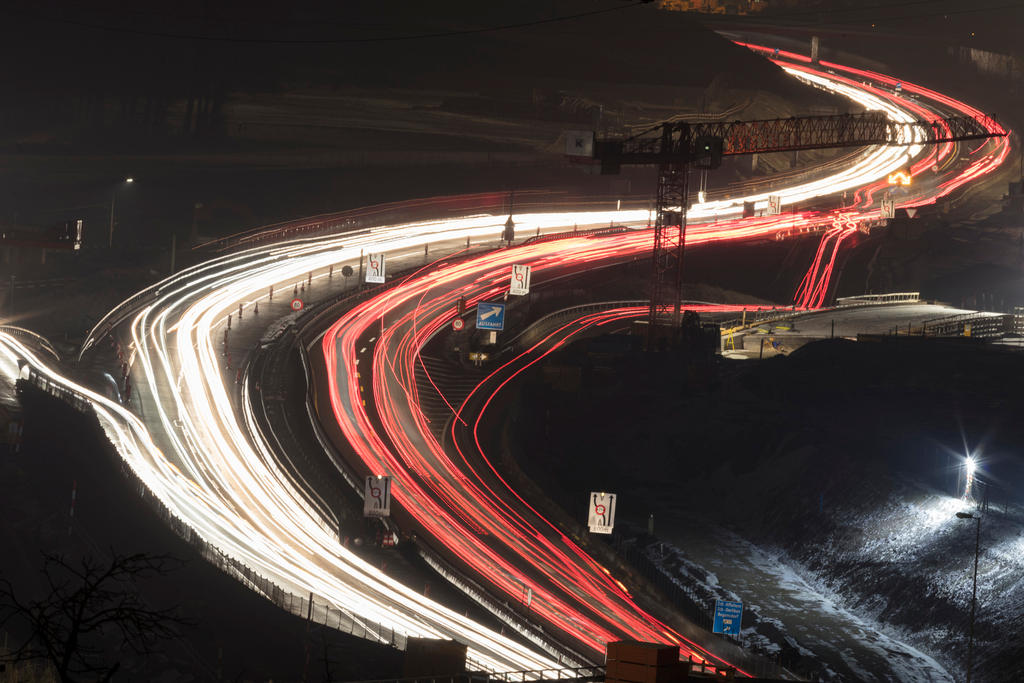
490 316
728 615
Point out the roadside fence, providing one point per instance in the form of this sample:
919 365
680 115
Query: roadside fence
308 606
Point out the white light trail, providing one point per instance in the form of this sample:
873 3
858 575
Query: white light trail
206 461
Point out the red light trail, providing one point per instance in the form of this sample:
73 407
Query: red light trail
480 521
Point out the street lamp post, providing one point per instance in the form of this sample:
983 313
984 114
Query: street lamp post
974 590
113 204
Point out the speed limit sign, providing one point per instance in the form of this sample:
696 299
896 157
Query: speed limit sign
296 304
458 324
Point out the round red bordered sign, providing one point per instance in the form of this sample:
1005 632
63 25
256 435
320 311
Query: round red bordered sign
458 324
297 304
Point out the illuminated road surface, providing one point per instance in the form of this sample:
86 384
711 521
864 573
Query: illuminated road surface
501 538
199 453
872 319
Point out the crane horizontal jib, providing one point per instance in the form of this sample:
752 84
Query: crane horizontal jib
675 140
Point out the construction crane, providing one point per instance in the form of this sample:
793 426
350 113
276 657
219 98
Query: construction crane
675 146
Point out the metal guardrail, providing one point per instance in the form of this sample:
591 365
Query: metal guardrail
977 325
868 299
114 317
1018 321
756 317
317 508
307 607
410 210
32 337
579 673
474 591
535 330
311 318
586 232
532 632
352 219
685 596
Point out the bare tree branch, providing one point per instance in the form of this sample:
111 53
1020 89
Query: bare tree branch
92 611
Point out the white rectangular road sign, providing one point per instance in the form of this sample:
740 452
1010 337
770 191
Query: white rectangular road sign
377 497
774 205
375 268
888 207
601 516
579 143
520 280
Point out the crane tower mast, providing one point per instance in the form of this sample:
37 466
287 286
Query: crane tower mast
676 146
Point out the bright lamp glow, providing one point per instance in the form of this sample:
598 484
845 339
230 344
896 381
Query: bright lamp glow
970 465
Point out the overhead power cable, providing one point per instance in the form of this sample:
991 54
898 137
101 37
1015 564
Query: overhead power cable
319 41
825 17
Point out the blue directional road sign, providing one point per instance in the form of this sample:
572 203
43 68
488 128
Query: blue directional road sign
490 316
728 615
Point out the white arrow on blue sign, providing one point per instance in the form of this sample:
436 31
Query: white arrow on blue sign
490 316
728 617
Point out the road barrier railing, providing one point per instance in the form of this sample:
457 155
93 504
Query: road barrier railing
758 316
31 337
267 419
685 593
309 607
295 334
684 597
871 299
529 630
539 328
543 325
115 316
978 325
578 673
413 210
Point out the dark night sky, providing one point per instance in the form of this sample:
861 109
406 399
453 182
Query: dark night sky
60 42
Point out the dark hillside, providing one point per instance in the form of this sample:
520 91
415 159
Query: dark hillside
844 457
236 634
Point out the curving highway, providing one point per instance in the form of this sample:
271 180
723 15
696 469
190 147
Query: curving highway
193 441
487 526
